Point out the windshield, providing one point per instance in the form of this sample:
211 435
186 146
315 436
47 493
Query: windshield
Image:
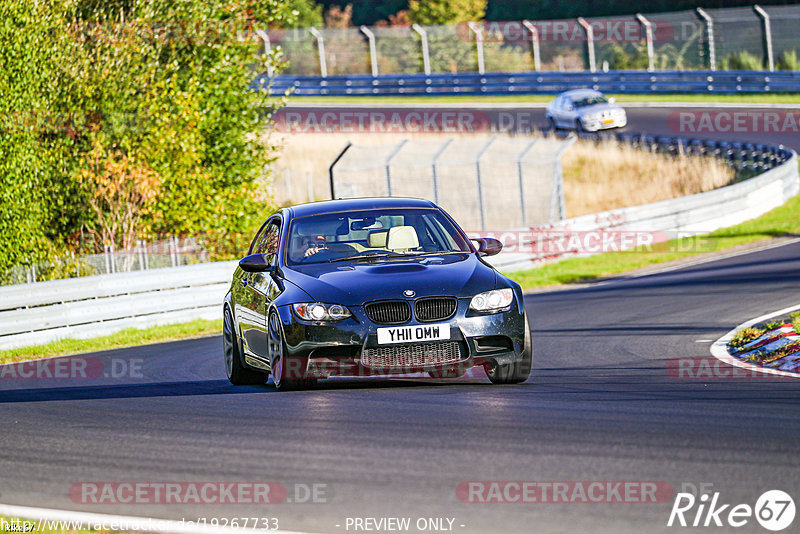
371 234
592 100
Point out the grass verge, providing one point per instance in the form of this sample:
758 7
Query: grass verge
772 98
780 222
125 338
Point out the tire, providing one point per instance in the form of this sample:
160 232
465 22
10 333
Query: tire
518 372
579 127
237 373
552 123
278 359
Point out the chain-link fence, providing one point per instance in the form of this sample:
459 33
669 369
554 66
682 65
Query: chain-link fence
171 252
742 38
484 184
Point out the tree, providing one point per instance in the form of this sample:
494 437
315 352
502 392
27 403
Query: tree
437 12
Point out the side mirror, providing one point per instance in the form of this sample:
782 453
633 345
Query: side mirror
256 263
488 246
612 100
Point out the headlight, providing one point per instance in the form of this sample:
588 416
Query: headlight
492 301
321 312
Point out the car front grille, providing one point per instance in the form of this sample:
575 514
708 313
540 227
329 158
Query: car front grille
435 309
389 312
412 356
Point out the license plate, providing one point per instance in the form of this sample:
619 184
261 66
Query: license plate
413 334
608 121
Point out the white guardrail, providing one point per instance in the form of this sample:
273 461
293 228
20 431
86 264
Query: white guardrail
685 216
33 314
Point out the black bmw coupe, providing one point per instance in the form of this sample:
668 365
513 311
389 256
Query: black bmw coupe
367 287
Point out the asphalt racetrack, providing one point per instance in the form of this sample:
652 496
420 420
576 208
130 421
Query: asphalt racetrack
604 403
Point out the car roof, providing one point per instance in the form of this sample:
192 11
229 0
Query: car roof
356 204
581 92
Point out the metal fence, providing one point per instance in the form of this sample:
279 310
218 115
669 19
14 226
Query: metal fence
171 252
731 38
101 305
494 183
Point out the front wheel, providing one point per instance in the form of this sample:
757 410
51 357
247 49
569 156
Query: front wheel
237 373
518 372
286 374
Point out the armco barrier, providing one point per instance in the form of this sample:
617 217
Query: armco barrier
32 314
691 215
503 83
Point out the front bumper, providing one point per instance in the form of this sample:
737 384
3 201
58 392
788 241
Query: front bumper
321 350
595 125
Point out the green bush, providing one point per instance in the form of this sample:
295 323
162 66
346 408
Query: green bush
743 60
95 92
788 61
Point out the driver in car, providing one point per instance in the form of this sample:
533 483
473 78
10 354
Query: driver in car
314 245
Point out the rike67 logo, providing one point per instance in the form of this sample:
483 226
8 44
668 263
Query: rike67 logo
774 510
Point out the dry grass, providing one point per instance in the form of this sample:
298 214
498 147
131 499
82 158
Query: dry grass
596 177
610 176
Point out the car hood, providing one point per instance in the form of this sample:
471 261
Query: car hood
598 108
354 283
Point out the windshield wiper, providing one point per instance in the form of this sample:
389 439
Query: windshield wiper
446 253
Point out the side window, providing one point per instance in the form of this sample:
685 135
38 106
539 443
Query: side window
268 242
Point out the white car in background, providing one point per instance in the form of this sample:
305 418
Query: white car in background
585 110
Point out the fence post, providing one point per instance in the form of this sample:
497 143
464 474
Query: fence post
267 50
537 58
589 42
522 182
648 32
333 166
712 53
435 170
33 273
373 50
388 164
140 254
480 187
558 208
767 36
478 31
173 253
426 54
323 61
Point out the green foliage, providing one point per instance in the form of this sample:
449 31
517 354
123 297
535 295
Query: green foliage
307 13
435 12
156 89
744 336
788 61
743 60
